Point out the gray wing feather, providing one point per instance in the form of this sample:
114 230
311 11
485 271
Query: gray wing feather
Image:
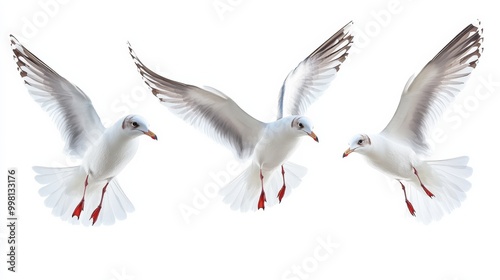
69 107
426 96
313 75
207 109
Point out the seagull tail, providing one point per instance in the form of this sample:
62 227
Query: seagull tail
63 190
447 181
243 192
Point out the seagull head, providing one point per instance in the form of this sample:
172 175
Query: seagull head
359 143
303 126
136 125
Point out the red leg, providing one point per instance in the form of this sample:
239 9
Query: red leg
262 198
96 212
408 203
281 193
79 208
431 195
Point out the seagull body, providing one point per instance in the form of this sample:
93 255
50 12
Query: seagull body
113 149
72 191
390 150
268 145
280 139
435 187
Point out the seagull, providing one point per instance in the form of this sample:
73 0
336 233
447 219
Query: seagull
268 145
399 151
104 152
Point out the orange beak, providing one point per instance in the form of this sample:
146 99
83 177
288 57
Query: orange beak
313 136
151 134
347 152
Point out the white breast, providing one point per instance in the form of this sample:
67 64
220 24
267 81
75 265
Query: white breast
112 152
276 145
391 157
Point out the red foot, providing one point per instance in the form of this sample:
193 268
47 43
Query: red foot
408 203
281 193
410 208
78 209
262 201
431 195
95 214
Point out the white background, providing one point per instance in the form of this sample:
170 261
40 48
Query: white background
246 51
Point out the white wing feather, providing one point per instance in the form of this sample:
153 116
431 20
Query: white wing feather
69 107
313 75
207 109
426 96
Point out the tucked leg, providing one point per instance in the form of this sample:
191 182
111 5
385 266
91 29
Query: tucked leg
281 193
96 212
408 203
79 208
262 198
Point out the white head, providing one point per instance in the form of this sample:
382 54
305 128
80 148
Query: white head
136 126
303 126
360 143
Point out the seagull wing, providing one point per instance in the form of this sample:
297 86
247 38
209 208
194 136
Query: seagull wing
207 109
314 74
426 96
70 108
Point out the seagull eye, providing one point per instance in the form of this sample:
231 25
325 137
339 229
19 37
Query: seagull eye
135 124
301 125
360 141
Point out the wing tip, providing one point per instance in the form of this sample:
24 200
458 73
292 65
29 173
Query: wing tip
18 52
477 23
131 51
142 69
347 27
13 40
140 66
14 43
465 47
476 28
134 56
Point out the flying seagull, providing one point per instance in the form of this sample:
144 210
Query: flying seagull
435 187
104 152
268 145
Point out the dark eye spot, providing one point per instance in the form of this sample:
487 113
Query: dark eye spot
301 125
360 141
135 124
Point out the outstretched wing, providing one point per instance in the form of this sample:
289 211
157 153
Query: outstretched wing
313 75
69 107
207 109
426 96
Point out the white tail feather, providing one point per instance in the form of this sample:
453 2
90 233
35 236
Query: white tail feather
446 179
63 189
243 192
